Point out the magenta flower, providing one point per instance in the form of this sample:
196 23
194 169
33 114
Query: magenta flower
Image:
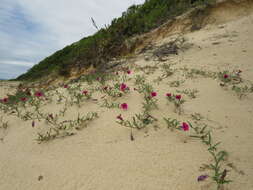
185 126
5 100
123 87
24 99
65 86
39 94
120 117
178 97
168 94
128 72
85 92
124 106
225 76
153 94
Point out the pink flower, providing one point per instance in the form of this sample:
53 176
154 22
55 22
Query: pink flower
65 86
124 106
24 99
39 94
225 76
123 87
85 92
185 126
168 94
128 72
178 97
120 117
5 100
153 94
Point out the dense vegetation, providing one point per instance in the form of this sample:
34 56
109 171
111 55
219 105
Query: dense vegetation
108 42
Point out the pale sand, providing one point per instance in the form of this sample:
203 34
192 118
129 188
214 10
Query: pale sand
102 156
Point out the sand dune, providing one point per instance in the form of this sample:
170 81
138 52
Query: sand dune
102 154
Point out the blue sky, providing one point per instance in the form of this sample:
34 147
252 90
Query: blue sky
31 30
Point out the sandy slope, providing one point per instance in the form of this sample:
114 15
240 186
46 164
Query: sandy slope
102 156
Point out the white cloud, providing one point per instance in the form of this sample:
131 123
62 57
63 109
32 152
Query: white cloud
68 21
22 63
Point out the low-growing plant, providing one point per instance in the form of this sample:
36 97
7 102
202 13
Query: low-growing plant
192 73
60 97
18 97
148 69
150 102
77 95
94 77
175 124
63 111
227 77
3 124
197 116
82 122
167 70
206 137
52 134
172 123
145 88
189 92
139 121
64 128
219 174
31 115
177 100
112 92
158 80
139 79
176 83
242 91
110 104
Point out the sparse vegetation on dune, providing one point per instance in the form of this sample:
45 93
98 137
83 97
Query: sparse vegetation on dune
27 104
184 118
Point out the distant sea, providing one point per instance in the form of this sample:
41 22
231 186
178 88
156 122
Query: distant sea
11 71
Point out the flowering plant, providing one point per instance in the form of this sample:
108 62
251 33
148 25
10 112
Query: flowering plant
177 100
139 121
